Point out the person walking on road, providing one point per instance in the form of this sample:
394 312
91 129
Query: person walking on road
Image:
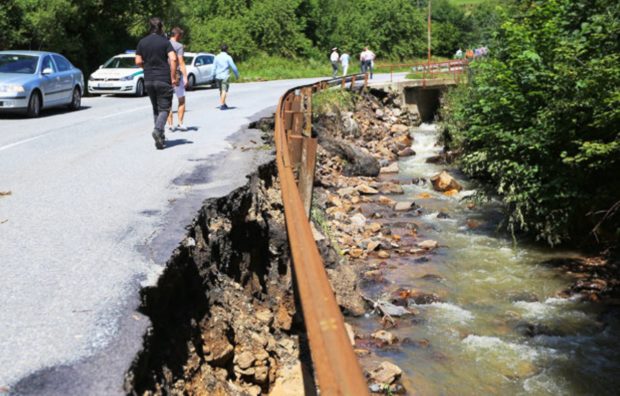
344 61
367 58
179 90
222 65
334 57
157 57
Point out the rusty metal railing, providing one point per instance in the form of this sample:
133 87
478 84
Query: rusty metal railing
337 370
453 68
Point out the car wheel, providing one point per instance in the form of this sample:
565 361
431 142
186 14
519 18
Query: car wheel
140 88
76 99
34 105
191 82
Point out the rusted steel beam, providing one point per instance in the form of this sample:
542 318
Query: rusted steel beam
336 366
306 172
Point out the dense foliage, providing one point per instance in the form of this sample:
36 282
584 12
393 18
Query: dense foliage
90 31
539 122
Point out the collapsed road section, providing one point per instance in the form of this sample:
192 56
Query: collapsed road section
223 312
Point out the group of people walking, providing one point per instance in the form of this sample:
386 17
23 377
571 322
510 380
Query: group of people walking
165 75
471 53
367 58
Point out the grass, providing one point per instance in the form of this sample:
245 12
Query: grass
330 99
267 68
466 2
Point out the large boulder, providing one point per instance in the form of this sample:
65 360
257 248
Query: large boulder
359 163
444 182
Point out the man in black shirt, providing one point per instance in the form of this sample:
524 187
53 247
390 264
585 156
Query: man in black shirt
159 61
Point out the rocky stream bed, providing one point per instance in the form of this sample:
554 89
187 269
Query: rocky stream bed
435 300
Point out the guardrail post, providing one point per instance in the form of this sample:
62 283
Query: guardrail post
352 82
343 83
294 127
308 154
365 80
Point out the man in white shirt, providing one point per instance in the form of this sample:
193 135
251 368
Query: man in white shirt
334 57
367 58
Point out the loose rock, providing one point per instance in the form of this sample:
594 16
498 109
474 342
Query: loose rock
385 373
444 182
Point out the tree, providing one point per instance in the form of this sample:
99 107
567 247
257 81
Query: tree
539 123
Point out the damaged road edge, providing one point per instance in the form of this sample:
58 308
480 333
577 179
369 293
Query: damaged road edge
223 312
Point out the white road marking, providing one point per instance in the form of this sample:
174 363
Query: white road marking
8 146
124 112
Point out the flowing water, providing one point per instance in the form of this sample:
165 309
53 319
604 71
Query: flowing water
500 329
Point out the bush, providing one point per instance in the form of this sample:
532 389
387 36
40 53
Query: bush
539 122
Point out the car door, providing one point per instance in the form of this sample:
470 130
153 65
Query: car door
65 84
203 69
197 63
209 67
50 82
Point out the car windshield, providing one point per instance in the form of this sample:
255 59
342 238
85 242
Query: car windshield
121 62
188 60
15 63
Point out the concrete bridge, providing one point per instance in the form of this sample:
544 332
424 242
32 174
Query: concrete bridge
421 96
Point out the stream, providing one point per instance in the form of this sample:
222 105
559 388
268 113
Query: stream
500 328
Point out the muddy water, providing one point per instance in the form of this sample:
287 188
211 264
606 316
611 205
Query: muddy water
500 329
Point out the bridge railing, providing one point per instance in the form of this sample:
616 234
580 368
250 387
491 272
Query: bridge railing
429 71
336 366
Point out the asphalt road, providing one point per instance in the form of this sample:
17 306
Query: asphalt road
93 214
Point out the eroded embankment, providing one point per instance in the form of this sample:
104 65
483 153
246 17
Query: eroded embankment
223 312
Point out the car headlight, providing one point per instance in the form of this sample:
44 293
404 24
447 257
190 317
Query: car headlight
14 88
126 78
91 78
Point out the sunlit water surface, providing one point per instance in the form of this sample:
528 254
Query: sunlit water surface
493 292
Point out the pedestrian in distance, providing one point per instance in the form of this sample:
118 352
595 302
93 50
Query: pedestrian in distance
367 58
179 90
156 56
334 57
458 54
344 62
222 65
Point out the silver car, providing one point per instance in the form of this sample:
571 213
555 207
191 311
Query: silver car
199 66
35 80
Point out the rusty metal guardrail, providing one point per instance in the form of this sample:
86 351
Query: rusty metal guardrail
336 366
454 68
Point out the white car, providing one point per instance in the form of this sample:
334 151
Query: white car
119 75
199 66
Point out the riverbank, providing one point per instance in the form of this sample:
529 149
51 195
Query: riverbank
456 306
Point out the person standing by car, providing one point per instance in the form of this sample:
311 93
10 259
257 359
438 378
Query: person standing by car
159 61
179 90
222 64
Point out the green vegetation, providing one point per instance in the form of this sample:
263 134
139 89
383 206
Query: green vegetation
466 2
331 99
287 39
264 67
539 123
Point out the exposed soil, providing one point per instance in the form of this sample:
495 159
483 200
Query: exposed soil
224 320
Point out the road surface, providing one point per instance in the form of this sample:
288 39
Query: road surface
93 214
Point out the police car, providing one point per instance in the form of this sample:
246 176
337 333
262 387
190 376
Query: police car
119 75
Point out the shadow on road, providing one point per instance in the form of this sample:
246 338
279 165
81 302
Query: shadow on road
177 142
44 113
